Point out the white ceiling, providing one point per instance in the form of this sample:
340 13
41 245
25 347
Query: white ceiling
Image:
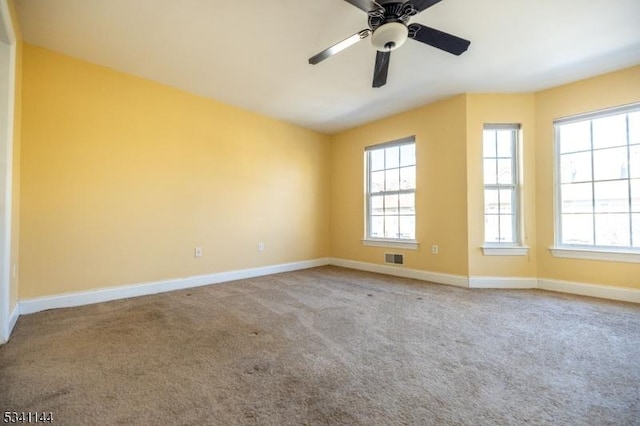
253 53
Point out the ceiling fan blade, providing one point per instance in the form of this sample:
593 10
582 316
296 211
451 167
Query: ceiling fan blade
421 5
339 47
366 5
381 69
436 38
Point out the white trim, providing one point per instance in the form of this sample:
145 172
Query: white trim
591 115
5 255
503 282
398 271
593 290
30 306
505 251
399 244
515 129
595 254
631 255
13 318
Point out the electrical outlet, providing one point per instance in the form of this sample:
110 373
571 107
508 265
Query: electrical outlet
260 246
197 252
435 249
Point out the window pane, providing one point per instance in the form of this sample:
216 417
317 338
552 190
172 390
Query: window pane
385 177
491 203
391 204
636 229
505 171
575 137
577 229
634 128
490 176
575 167
408 177
610 131
611 170
377 159
393 180
489 143
507 201
577 198
635 195
634 165
391 229
407 204
505 143
408 155
612 196
377 205
491 229
392 156
377 181
612 229
506 228
407 227
377 227
500 172
610 164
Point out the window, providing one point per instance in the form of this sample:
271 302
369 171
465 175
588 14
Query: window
598 181
501 185
391 187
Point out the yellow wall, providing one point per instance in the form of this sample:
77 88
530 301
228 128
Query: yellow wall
123 177
500 109
618 88
441 200
450 193
17 134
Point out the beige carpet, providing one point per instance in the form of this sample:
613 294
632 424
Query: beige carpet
330 346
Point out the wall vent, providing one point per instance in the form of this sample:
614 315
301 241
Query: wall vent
394 258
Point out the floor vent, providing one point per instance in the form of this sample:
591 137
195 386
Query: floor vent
393 258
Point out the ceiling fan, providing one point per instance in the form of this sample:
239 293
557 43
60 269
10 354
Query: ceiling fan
389 28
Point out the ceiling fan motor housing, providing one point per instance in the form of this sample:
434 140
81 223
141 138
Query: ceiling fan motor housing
389 36
389 25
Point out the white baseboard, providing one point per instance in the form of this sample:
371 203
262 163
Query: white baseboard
594 290
503 282
13 317
399 271
30 306
601 291
11 323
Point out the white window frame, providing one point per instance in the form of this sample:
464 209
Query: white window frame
368 240
515 247
582 251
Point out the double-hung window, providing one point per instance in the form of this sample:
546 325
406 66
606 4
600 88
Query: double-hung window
502 216
598 183
390 192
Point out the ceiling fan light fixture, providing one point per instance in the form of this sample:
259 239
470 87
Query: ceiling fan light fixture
389 36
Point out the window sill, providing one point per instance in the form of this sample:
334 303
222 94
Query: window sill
611 255
401 244
505 251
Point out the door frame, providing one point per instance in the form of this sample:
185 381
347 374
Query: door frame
7 317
